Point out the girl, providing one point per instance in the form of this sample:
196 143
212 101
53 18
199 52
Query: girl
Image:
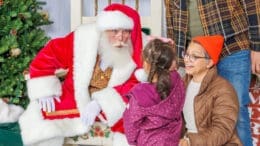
153 116
211 104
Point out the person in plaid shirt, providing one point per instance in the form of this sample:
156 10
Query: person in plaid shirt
239 22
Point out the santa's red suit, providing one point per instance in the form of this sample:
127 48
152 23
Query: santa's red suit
77 53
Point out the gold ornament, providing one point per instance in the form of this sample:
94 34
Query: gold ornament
15 52
26 74
45 15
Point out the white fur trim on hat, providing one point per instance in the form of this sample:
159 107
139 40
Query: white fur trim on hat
113 20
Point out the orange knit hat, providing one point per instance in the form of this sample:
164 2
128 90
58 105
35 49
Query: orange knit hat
212 44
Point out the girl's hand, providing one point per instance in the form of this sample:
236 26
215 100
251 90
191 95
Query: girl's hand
183 142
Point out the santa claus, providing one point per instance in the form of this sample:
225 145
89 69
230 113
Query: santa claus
100 60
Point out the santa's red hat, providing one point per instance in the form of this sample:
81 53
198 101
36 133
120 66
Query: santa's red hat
118 16
212 44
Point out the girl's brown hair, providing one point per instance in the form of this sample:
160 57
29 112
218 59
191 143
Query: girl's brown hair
160 56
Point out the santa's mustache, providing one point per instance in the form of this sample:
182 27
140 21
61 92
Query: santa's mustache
120 44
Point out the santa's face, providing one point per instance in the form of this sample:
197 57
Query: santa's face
114 51
118 37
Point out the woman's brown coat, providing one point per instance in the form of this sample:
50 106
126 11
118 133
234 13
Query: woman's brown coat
216 112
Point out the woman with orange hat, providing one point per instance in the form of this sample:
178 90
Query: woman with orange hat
211 105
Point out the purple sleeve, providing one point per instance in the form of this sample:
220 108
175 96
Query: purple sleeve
129 117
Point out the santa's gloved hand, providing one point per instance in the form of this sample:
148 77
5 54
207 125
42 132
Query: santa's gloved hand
90 112
47 103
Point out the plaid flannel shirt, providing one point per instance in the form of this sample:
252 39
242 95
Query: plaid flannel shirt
237 20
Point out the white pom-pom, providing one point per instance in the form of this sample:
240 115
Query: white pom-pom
141 75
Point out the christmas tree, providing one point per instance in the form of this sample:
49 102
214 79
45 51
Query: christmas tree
20 39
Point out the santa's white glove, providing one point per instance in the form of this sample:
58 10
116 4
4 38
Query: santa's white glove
90 112
47 104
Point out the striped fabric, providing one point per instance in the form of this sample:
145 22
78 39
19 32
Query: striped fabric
237 20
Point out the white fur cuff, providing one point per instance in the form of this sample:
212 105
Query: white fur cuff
43 87
111 104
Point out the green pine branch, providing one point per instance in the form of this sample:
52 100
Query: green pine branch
21 37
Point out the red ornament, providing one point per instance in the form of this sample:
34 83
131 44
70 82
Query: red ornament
1 2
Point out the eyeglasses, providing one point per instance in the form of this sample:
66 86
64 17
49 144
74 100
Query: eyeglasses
193 58
116 32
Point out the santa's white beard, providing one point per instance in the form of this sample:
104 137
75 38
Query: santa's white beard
112 56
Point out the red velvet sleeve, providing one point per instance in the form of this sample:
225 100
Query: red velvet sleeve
55 55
